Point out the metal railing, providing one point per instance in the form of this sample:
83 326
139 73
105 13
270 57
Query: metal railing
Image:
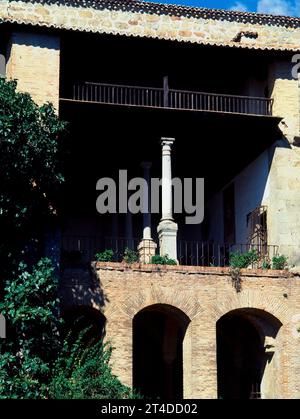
192 253
169 98
255 392
82 249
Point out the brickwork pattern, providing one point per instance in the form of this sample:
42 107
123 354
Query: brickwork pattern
34 60
204 295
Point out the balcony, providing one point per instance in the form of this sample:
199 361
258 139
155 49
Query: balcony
76 250
166 98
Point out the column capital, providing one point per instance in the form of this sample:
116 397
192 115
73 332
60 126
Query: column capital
167 141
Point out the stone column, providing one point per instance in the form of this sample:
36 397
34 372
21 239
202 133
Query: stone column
167 228
147 246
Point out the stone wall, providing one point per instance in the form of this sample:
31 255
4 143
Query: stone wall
283 194
201 30
34 60
204 295
286 94
283 201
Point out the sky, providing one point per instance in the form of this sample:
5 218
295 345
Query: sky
275 7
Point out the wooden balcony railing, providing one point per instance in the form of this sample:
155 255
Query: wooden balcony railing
151 97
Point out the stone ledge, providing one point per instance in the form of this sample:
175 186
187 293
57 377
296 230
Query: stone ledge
190 270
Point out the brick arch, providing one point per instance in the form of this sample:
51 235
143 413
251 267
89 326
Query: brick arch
184 301
255 300
174 318
264 325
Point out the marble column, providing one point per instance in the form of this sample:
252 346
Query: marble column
147 246
167 228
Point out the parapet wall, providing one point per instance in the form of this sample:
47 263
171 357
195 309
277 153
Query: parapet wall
204 295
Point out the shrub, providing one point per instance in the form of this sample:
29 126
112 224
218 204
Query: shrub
163 260
279 263
30 305
266 265
243 260
106 256
34 361
83 372
130 256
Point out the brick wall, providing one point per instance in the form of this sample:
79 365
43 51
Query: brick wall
34 60
204 295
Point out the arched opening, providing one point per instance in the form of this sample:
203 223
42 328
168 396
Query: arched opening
245 353
158 335
84 318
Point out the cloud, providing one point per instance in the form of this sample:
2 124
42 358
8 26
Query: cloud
241 7
278 7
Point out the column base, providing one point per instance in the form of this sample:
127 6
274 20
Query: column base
147 249
167 232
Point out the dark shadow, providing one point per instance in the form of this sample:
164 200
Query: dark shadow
81 285
81 318
158 333
241 352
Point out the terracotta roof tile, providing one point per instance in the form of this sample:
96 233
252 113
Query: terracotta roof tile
175 10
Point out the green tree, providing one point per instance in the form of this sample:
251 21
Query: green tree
35 362
33 354
30 306
83 372
30 171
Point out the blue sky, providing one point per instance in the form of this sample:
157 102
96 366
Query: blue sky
276 7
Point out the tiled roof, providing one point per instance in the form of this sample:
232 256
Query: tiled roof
175 10
158 21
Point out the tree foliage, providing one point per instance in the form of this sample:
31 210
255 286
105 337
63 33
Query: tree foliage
35 362
30 307
30 169
84 372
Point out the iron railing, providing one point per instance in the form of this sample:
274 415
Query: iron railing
192 253
255 392
152 97
78 249
82 249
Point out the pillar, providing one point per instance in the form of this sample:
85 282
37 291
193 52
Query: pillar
147 246
167 228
